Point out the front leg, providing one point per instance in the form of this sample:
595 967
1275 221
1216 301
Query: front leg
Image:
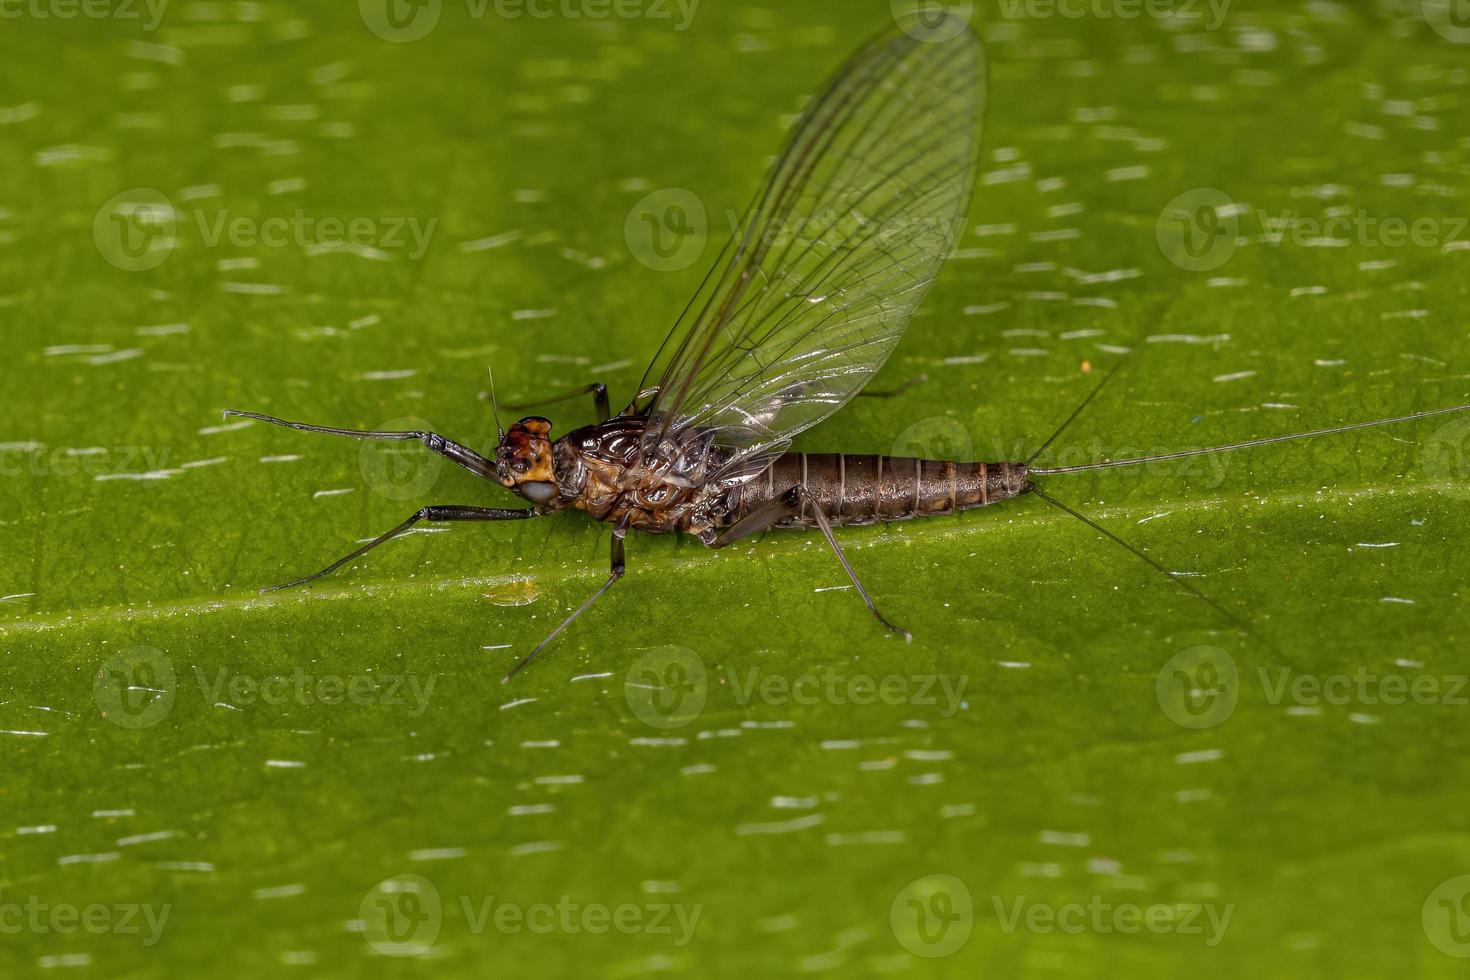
442 512
432 441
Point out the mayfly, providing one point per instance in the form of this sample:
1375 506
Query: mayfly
811 295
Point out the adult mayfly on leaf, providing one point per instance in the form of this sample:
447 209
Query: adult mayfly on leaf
783 332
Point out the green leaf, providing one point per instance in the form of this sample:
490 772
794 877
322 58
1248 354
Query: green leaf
726 767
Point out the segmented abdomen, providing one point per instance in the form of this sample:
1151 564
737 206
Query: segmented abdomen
867 489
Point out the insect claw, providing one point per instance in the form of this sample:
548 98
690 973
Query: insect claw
894 628
300 581
532 655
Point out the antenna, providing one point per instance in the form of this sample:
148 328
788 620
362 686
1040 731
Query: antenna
495 406
1332 430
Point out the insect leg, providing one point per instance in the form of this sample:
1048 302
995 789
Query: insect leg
763 518
646 396
596 389
810 503
618 567
892 392
447 448
790 504
440 513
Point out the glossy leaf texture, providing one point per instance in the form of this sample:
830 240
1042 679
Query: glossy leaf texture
726 768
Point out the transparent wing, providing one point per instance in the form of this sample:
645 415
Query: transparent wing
810 297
